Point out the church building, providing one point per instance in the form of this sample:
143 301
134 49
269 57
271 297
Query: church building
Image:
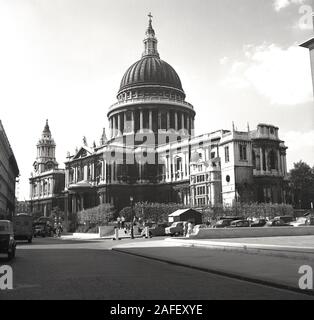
152 154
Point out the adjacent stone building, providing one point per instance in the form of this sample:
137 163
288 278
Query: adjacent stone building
9 172
310 45
47 180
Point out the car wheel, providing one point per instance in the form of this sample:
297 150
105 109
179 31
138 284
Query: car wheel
11 254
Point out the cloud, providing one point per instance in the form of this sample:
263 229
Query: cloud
282 4
300 146
283 76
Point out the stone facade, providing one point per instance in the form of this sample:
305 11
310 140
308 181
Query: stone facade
8 174
47 180
152 154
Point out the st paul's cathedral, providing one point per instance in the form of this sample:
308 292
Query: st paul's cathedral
152 154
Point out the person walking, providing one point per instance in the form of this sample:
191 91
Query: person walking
119 222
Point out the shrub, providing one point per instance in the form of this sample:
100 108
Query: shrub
97 216
155 212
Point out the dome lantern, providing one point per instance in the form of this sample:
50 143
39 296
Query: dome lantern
150 42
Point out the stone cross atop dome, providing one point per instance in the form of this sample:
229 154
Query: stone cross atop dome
150 41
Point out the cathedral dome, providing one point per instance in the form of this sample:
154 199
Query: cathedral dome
150 70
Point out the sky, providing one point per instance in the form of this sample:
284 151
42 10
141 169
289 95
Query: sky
239 61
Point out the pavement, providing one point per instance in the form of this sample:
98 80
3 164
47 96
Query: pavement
52 268
271 261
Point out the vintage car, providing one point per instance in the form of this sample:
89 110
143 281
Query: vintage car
7 242
239 224
23 227
176 229
155 230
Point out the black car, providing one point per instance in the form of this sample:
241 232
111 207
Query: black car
7 242
277 223
258 223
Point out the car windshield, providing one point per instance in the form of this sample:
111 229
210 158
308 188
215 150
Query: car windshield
2 228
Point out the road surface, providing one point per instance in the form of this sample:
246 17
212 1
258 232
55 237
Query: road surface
63 269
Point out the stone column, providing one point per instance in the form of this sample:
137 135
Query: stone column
188 123
168 120
278 162
159 120
151 120
119 125
176 121
105 171
132 122
261 160
52 186
182 121
141 120
124 122
266 159
110 128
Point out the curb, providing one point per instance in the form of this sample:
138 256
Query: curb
270 250
220 273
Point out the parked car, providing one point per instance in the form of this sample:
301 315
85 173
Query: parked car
239 224
176 229
285 219
23 227
7 242
223 223
155 230
258 223
300 222
42 229
277 223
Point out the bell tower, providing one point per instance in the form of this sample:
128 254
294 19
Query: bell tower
46 158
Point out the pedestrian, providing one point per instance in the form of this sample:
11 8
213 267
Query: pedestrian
122 222
185 228
119 222
190 229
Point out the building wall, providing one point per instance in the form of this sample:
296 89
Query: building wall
8 174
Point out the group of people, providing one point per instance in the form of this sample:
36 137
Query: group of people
187 228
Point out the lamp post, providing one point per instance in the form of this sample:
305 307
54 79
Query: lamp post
132 217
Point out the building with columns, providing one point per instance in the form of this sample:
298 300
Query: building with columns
9 172
309 44
47 180
152 154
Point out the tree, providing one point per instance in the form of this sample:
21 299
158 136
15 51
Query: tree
302 184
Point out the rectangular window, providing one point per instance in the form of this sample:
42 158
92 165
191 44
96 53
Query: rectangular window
227 159
243 153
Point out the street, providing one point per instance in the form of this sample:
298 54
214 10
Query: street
66 269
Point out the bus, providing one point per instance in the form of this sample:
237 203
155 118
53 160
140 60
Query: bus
23 227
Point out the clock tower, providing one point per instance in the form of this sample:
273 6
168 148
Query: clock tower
47 180
46 148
